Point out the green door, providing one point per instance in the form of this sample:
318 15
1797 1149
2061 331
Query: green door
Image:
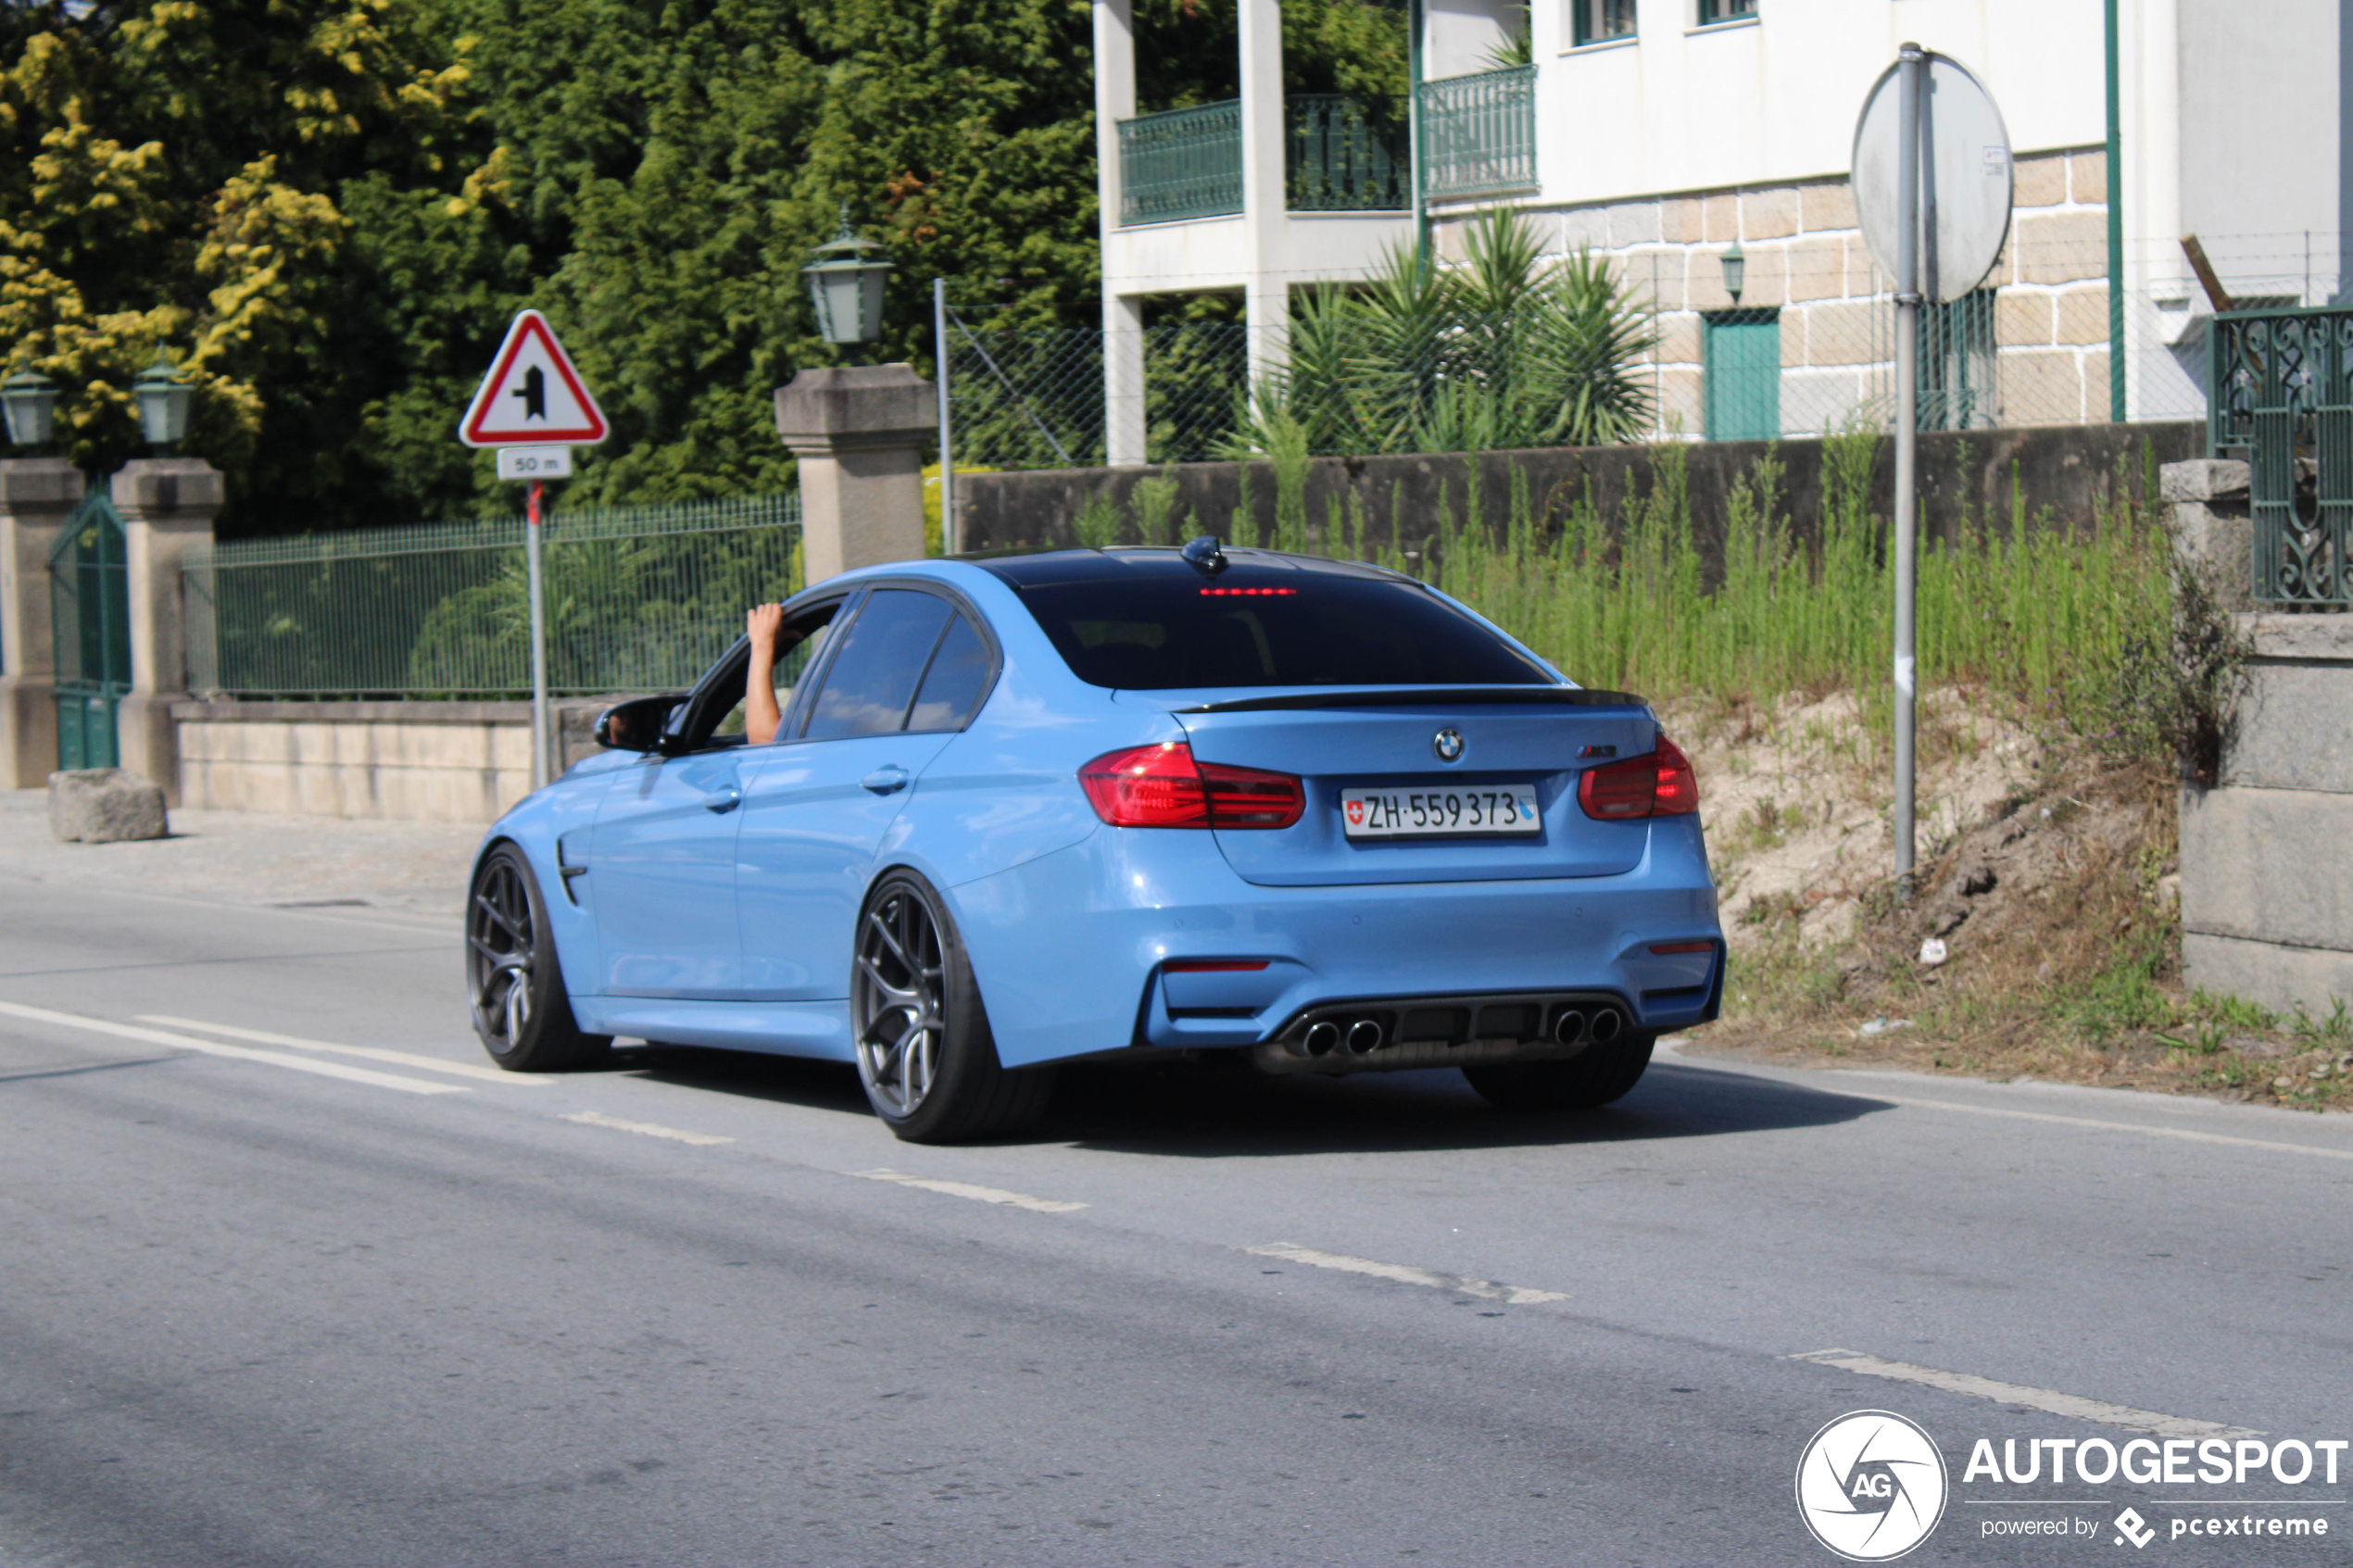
1743 353
90 600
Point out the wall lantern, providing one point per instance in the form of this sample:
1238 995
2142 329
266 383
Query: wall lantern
1735 270
848 286
163 404
30 400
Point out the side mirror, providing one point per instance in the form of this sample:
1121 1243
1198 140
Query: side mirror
639 724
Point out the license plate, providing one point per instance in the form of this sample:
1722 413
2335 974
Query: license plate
1435 813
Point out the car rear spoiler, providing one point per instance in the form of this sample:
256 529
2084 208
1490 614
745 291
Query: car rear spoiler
1427 697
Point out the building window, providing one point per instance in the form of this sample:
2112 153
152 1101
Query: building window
1712 11
1956 363
1742 353
1598 21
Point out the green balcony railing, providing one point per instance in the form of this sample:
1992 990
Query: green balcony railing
2279 394
1479 133
1186 163
1342 154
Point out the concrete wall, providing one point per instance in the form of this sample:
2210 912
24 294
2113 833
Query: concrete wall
2067 470
2266 854
413 761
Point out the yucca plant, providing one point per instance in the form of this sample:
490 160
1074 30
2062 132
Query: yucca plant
1508 349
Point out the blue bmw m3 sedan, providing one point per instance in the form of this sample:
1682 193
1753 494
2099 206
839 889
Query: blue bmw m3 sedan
1113 804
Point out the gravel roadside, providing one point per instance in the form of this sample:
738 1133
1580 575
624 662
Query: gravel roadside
255 858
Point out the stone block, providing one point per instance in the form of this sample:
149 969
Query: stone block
1863 277
2296 728
2220 543
836 409
1655 275
1585 228
1792 338
2040 182
1682 401
2268 865
1770 213
2061 247
1826 205
105 806
1842 334
2087 177
2082 315
2042 386
1634 223
2309 980
1719 218
1817 269
162 486
2021 320
1764 284
1679 220
1679 338
2204 478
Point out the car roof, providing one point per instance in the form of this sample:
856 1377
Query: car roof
1128 563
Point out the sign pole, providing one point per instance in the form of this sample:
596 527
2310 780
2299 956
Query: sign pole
1913 64
539 746
947 431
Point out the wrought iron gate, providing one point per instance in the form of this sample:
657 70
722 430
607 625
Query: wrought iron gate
90 605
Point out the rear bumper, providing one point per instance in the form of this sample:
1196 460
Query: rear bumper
1073 949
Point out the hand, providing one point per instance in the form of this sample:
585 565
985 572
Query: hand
761 624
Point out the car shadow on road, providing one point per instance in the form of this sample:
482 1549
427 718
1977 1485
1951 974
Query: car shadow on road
1203 1112
820 1085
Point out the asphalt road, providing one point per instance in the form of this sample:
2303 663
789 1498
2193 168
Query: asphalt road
700 1309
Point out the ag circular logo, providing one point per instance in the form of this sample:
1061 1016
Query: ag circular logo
1448 744
1871 1486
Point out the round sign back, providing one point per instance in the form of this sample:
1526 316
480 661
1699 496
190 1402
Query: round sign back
1965 186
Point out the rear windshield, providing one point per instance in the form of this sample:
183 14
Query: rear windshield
1286 629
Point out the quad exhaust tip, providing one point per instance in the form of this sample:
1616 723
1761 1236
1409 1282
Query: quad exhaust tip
1569 1027
1322 1038
1606 1023
1364 1036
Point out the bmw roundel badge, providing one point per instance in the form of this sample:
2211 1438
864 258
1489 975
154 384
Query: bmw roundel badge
1448 744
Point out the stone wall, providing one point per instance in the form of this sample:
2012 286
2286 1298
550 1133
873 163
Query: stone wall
413 761
1806 262
2266 854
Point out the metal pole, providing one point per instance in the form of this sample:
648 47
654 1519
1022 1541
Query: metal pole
538 646
2116 378
947 431
1914 65
1414 127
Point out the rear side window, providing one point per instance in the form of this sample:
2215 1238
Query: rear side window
871 681
1268 629
955 682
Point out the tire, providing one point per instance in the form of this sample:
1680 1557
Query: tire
925 1051
1594 1077
514 984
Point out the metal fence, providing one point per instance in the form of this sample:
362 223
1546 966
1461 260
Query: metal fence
2281 399
1479 133
1030 400
638 599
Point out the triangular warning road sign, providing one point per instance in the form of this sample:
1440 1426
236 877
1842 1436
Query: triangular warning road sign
532 395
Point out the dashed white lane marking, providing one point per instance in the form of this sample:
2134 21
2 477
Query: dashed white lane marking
2184 1133
1405 1273
977 1194
643 1129
235 1053
2070 1404
372 1053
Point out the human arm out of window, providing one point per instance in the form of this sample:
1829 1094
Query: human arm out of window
761 714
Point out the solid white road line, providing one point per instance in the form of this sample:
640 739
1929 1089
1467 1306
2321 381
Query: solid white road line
373 1053
234 1053
2153 1131
977 1194
2068 1405
643 1129
1405 1273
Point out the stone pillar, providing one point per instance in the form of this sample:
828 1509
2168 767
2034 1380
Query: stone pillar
1124 422
859 433
167 505
37 494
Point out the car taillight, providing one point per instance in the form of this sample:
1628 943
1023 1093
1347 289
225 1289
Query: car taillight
1658 783
1162 786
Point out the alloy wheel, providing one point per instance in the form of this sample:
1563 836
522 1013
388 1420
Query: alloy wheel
500 941
899 1001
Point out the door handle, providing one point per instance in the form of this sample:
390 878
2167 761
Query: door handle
887 779
723 802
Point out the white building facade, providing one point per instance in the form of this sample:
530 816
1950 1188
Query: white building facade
1664 134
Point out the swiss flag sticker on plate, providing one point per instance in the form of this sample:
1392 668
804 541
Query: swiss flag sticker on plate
1356 812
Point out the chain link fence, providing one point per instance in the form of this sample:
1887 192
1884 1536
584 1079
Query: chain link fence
1030 400
639 599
